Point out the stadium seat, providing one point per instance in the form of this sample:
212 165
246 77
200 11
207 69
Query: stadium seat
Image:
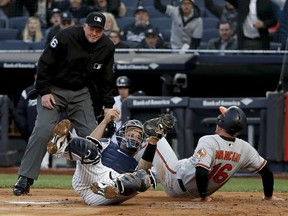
8 34
130 12
161 22
153 12
18 23
200 3
38 45
131 44
209 14
210 22
203 46
146 3
130 3
14 45
123 21
209 33
3 23
166 34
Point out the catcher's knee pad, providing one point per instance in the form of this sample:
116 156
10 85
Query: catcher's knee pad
130 183
82 149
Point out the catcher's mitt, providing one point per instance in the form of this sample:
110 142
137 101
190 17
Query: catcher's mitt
158 127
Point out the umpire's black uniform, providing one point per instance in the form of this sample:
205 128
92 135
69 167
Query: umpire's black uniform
65 69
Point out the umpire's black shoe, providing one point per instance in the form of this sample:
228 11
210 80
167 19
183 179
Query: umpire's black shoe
22 186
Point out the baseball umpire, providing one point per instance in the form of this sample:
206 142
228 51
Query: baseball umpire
75 57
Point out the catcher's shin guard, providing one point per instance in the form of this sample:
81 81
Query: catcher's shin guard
130 183
81 149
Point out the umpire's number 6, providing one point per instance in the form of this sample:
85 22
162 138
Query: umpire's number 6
54 42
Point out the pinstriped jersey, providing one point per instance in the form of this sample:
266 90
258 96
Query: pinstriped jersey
113 162
223 158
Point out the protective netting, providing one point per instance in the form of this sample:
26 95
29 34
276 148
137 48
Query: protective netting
283 81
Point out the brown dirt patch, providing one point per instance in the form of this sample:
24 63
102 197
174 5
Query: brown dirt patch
66 202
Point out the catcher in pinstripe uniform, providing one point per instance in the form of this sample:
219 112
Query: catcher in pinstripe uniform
107 173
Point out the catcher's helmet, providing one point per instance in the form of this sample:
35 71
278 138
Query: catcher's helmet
233 119
129 143
123 81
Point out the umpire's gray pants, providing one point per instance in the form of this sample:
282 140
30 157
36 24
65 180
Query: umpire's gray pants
78 108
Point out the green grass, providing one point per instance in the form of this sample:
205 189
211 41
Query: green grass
253 185
44 181
64 182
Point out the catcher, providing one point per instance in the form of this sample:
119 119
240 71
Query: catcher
106 172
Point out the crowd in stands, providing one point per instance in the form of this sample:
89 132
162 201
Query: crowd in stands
155 24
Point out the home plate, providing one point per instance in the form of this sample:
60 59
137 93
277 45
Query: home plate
36 202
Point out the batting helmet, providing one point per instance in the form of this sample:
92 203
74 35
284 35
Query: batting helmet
130 144
123 81
233 119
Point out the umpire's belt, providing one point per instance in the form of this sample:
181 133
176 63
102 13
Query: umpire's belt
181 185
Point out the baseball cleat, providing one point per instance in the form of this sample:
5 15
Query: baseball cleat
158 127
152 177
107 191
61 137
22 186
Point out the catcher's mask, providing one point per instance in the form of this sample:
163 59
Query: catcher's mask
233 119
130 135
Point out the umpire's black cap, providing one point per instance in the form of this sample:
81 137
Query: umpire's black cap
96 19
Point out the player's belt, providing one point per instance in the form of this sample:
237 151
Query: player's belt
180 182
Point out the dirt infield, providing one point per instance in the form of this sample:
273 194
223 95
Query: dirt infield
65 202
42 202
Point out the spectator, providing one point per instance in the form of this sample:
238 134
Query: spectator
54 20
28 7
152 40
111 23
283 25
32 31
67 20
116 7
226 41
8 8
254 19
78 9
116 38
41 12
225 13
25 115
187 24
135 32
